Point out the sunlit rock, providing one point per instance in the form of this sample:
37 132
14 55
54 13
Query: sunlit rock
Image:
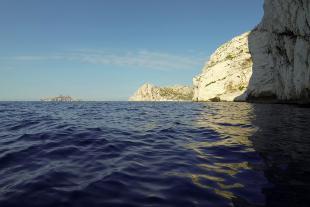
226 75
149 92
271 63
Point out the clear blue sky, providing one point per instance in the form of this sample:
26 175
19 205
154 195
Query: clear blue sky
105 49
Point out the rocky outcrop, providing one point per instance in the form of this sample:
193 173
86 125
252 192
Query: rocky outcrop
149 92
280 49
226 75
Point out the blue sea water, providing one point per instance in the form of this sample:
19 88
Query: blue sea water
154 154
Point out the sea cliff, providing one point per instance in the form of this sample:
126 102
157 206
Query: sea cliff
270 63
280 49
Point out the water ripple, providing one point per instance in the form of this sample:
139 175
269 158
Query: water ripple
153 154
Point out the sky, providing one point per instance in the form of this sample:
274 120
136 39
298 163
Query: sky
105 49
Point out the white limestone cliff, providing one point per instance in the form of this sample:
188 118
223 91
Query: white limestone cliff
280 49
226 75
271 63
149 92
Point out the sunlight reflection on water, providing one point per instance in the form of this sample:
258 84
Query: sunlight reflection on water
153 154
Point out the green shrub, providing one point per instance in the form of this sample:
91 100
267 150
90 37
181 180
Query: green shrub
241 88
230 57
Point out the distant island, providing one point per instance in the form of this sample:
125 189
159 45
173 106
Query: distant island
60 98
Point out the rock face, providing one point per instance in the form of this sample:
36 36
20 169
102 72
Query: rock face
226 75
280 49
149 92
271 63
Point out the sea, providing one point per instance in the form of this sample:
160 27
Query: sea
154 154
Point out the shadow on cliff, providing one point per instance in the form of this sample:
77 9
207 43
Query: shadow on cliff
276 76
282 140
258 47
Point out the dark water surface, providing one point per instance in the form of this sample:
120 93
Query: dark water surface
154 154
